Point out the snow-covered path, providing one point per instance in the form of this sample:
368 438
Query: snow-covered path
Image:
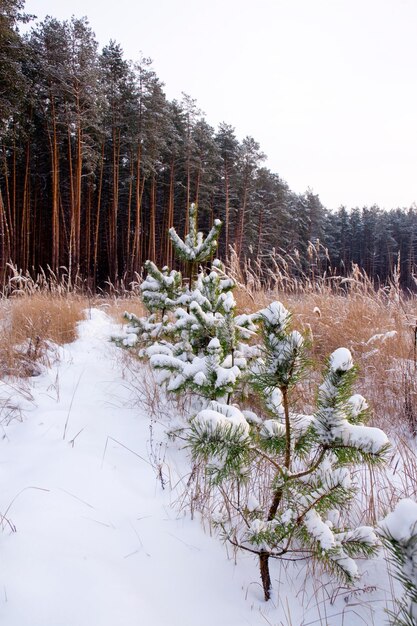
97 541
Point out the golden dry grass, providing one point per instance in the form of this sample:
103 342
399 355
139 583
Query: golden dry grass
331 310
30 322
378 325
116 307
39 308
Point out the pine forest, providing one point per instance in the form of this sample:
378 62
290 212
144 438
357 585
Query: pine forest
96 164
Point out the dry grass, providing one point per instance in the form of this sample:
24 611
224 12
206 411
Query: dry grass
37 309
30 323
378 325
36 312
331 310
116 307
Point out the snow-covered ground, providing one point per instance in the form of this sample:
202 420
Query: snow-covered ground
91 538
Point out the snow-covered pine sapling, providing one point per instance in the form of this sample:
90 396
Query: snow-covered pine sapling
207 358
399 534
195 248
296 468
161 288
220 434
232 330
160 291
203 308
211 312
213 375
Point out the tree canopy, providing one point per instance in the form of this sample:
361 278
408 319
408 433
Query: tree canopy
96 165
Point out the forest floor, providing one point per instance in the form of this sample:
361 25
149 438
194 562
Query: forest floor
94 529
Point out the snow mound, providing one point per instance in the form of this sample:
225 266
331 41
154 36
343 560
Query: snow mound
401 523
341 360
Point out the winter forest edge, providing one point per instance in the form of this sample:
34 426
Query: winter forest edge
97 165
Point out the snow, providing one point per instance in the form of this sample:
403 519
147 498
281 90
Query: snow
364 534
214 344
200 369
253 503
100 540
275 314
365 438
195 247
251 417
97 541
258 526
274 402
341 360
401 523
223 416
401 526
200 378
382 337
130 340
319 530
332 422
228 301
271 429
357 404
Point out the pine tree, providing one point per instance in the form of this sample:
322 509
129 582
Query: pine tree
12 54
300 465
204 355
212 375
198 346
161 291
229 152
118 153
164 290
305 459
195 249
161 288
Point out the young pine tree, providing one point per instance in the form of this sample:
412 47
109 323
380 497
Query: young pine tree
195 343
194 249
296 470
160 293
165 291
283 479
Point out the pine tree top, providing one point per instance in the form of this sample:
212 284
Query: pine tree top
194 248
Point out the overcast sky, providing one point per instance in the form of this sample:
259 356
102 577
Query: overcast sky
327 87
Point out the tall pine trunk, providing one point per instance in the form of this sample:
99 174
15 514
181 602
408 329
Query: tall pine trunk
169 256
4 240
226 208
140 185
98 212
152 218
53 142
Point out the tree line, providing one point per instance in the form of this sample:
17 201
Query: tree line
96 164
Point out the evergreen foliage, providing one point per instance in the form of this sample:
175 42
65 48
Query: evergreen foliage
307 458
161 288
195 248
300 465
399 534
